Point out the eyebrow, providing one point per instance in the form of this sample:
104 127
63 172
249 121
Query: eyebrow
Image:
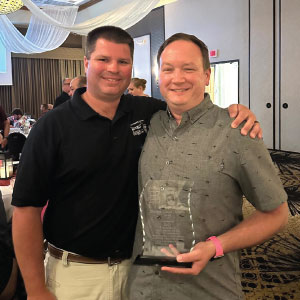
184 65
166 65
106 56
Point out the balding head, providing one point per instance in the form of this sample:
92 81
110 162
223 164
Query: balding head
76 83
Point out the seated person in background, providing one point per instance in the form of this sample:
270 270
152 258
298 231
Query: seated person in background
17 119
44 108
4 128
63 97
8 264
137 87
50 106
76 83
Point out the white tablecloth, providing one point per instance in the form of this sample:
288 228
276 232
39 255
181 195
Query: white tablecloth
12 130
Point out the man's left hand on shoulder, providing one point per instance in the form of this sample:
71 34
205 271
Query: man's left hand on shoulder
242 113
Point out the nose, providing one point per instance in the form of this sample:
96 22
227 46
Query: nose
178 76
113 66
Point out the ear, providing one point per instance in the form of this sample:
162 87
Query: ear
86 63
207 73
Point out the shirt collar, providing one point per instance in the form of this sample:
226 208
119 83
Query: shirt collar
196 112
84 111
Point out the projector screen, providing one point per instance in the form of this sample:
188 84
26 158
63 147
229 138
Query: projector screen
5 66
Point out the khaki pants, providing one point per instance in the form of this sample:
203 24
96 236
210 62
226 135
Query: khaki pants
87 281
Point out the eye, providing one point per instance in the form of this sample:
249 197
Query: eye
166 69
189 69
124 62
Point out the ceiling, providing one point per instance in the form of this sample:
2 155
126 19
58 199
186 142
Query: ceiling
87 9
60 2
81 3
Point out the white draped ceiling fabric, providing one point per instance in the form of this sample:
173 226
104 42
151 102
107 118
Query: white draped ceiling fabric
50 25
40 36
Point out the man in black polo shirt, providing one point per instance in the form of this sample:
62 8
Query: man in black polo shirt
64 96
83 158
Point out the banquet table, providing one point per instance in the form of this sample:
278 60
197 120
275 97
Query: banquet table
19 130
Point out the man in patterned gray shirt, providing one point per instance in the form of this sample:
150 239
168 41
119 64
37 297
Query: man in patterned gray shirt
192 144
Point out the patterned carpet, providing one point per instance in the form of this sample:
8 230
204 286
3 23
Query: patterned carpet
272 270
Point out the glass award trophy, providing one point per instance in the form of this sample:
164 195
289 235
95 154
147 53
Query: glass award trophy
166 219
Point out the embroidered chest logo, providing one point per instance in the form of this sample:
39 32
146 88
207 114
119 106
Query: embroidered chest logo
139 127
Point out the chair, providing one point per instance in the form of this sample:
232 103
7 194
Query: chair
15 143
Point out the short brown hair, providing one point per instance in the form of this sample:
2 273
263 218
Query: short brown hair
17 111
190 38
109 33
137 82
81 80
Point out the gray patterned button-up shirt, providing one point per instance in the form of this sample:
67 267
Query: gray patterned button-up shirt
221 165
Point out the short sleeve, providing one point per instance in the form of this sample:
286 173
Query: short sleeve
33 181
258 176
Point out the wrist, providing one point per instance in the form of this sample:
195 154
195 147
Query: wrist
36 291
217 245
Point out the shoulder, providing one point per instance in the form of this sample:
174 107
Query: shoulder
62 98
58 112
144 101
219 123
54 121
143 106
244 144
221 114
159 115
158 118
216 118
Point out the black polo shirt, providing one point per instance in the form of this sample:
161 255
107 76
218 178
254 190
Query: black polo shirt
62 98
86 165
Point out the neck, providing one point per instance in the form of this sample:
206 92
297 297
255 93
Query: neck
178 110
104 108
177 115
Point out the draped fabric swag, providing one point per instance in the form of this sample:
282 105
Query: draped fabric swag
40 36
50 25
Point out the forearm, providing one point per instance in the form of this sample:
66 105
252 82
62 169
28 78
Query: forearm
28 244
254 230
5 134
6 128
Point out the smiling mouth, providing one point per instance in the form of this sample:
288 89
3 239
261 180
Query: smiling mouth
112 79
179 90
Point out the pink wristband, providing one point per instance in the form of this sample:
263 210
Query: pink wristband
219 248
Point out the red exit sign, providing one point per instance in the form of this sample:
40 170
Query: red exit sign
213 53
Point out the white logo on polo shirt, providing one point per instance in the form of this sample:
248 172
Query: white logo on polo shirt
139 127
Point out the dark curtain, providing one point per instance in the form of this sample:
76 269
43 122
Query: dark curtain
36 81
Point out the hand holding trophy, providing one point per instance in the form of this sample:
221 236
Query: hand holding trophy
167 222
